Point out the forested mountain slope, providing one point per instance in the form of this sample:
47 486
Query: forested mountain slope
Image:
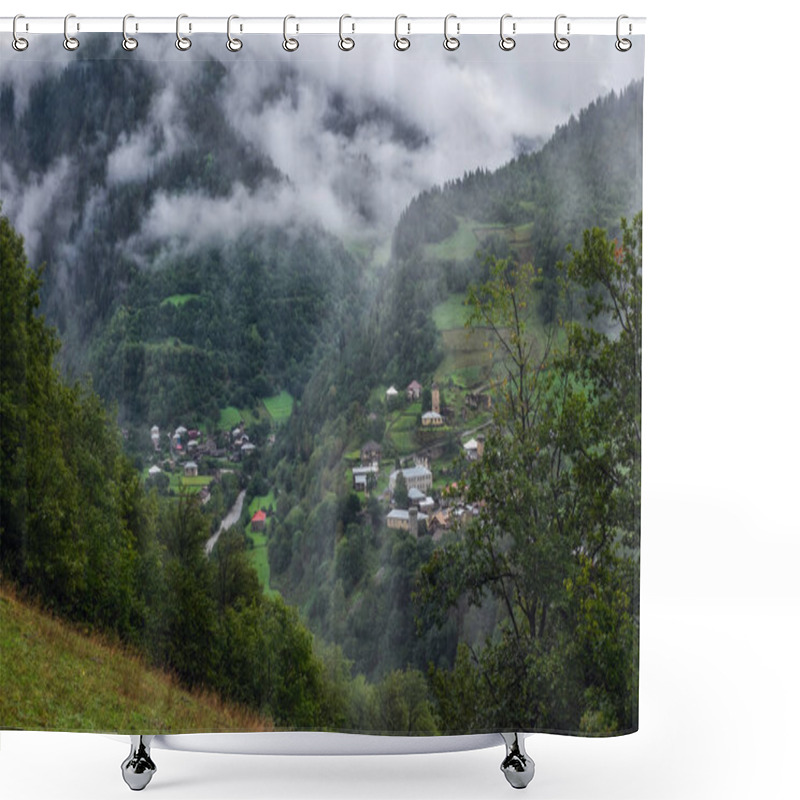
186 275
588 173
339 565
165 281
186 278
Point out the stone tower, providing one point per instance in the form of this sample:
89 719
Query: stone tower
413 525
435 399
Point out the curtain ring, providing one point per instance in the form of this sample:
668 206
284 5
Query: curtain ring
623 45
128 42
561 43
507 42
70 42
289 45
18 43
181 42
234 45
400 42
451 42
345 42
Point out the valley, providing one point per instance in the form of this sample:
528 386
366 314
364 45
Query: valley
320 457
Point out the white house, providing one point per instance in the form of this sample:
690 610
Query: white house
416 478
474 448
360 476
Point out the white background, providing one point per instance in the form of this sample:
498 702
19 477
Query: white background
720 704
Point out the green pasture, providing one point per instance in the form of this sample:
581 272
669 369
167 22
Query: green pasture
458 246
404 441
195 480
179 300
230 417
188 485
451 313
471 236
56 677
258 555
468 357
279 407
265 501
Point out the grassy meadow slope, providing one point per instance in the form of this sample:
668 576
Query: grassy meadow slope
57 678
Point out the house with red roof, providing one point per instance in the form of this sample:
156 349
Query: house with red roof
259 520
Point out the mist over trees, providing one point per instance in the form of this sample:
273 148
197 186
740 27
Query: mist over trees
587 174
361 627
226 326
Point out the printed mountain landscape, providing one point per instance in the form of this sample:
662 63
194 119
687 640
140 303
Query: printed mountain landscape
312 417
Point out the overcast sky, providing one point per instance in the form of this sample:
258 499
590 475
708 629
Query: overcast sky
416 118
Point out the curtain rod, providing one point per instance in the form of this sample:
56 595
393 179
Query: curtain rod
403 25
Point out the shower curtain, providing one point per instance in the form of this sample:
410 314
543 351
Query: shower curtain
321 384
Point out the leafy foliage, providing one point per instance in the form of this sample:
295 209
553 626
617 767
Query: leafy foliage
79 532
71 504
557 541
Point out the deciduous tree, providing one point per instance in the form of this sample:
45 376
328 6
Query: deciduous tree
557 540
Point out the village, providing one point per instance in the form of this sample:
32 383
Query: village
414 504
178 457
415 499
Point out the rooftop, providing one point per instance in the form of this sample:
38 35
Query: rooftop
402 513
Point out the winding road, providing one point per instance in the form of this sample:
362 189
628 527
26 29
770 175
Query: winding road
231 518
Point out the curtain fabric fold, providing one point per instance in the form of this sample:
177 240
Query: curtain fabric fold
321 385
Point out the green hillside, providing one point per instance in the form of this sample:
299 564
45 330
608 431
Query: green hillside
55 678
258 554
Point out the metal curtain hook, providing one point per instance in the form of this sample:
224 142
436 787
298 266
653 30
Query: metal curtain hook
128 42
561 43
181 42
623 45
18 43
401 42
451 42
289 45
70 42
234 45
345 42
507 42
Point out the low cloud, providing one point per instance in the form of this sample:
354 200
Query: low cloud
357 135
30 203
